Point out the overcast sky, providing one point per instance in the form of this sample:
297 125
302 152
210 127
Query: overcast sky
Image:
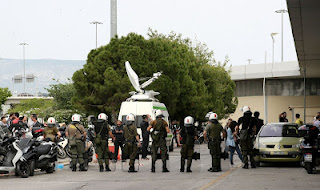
60 29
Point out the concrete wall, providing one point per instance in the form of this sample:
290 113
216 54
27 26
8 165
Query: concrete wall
278 104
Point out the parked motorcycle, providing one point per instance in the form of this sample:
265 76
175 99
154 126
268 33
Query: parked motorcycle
310 147
41 155
11 157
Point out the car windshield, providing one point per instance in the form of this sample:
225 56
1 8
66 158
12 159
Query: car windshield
279 130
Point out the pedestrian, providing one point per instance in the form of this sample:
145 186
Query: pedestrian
188 132
35 121
233 141
159 132
4 131
176 128
259 122
315 118
102 132
76 135
9 121
283 117
248 129
51 131
317 122
131 138
298 120
212 134
145 135
119 139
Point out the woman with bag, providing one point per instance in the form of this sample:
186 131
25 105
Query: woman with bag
233 141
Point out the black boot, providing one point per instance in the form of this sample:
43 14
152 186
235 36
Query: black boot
74 167
164 167
246 166
182 164
101 168
107 168
188 169
253 165
131 169
219 167
82 168
153 168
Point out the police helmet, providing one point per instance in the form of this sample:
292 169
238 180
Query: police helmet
213 116
245 109
159 113
188 121
76 117
130 119
103 116
51 122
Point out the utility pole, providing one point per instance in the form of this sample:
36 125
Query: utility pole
24 66
96 23
281 11
113 22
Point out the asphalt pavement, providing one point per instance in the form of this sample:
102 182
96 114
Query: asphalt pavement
269 176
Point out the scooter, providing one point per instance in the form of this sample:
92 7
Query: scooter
41 155
310 147
11 157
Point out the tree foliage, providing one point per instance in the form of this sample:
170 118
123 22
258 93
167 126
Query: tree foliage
62 94
192 82
41 107
4 94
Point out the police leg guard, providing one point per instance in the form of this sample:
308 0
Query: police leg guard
101 168
182 164
164 167
74 167
153 167
82 168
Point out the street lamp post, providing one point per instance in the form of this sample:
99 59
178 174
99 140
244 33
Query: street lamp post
273 41
281 11
96 23
249 60
24 66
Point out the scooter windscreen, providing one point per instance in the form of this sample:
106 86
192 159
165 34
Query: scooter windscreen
23 142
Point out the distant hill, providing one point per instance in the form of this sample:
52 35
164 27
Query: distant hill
44 69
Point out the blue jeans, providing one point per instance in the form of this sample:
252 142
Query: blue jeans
232 149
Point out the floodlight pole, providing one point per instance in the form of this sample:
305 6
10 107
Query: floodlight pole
96 23
24 66
281 11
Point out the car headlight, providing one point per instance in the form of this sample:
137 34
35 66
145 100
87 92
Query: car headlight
296 145
262 145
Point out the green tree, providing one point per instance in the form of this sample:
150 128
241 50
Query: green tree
41 107
4 94
192 82
62 94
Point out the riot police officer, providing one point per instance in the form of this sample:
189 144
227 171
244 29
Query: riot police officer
51 131
248 129
76 135
212 134
101 132
188 133
131 138
158 134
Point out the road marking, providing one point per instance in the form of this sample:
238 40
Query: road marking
219 178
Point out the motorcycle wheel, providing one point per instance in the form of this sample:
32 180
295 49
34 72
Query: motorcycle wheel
32 164
61 153
50 170
67 150
23 169
308 167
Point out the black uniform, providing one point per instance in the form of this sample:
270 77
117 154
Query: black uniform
119 141
145 137
246 137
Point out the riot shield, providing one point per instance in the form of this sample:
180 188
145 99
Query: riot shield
125 162
159 161
196 160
